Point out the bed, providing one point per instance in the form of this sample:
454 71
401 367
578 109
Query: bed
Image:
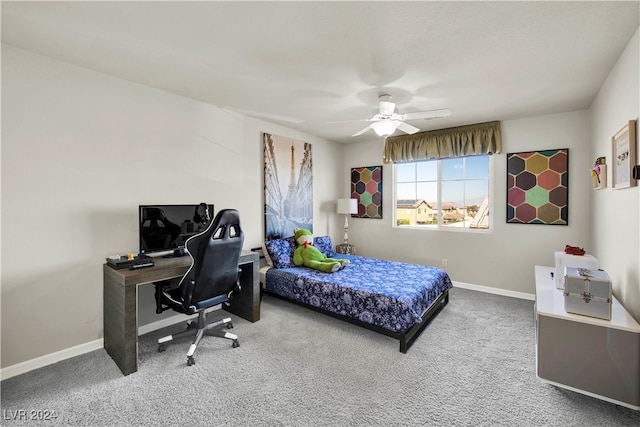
393 298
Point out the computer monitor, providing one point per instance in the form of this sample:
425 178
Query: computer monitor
164 229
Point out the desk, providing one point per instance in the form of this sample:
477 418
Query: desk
596 357
121 302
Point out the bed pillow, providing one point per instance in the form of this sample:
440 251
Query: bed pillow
323 243
279 252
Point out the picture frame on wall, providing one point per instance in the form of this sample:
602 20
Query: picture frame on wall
366 188
623 154
538 187
288 186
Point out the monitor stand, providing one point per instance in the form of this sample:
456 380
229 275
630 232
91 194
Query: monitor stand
180 252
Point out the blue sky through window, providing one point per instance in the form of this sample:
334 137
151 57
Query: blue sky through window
465 180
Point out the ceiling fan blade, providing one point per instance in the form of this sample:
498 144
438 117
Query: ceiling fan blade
407 128
431 114
362 131
351 121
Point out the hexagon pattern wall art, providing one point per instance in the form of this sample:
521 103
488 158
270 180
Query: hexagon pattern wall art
366 187
538 187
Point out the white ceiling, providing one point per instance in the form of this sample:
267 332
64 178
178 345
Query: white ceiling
303 64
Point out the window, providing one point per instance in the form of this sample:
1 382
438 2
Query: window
443 194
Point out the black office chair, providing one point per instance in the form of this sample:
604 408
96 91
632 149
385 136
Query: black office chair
157 231
212 279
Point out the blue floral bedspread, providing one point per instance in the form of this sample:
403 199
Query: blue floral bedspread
389 294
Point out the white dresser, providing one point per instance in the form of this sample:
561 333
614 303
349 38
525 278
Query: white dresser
596 357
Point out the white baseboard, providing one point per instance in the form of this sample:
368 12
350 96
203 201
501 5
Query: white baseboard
163 323
49 359
497 291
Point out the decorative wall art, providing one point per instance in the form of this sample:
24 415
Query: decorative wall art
366 187
538 187
599 173
623 146
288 186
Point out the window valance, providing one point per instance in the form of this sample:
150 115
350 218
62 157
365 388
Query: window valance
481 138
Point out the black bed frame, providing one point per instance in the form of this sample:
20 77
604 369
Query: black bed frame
407 338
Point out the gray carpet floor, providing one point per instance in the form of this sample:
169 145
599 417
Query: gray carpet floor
473 366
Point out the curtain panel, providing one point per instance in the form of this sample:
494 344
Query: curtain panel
481 138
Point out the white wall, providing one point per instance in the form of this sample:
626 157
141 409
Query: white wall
505 257
615 221
604 222
80 152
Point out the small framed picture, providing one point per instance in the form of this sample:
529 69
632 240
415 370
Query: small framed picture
623 151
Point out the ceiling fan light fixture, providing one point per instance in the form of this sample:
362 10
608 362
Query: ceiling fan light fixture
386 107
385 127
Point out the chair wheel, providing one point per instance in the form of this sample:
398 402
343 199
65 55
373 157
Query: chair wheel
190 361
161 348
229 325
235 344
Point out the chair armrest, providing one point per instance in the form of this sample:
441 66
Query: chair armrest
159 288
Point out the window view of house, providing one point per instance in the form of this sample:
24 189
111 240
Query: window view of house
443 193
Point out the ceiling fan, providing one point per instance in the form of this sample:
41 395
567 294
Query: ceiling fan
387 120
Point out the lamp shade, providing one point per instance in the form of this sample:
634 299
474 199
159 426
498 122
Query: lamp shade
385 127
347 206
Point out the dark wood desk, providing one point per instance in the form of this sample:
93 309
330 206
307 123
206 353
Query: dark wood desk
121 302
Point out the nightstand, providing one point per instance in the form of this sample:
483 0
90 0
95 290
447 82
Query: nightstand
346 249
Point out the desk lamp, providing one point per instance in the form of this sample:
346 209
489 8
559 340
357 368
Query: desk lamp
347 207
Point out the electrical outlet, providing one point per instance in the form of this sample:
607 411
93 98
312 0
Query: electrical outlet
444 262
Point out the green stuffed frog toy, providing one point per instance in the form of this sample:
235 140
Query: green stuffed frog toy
308 255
